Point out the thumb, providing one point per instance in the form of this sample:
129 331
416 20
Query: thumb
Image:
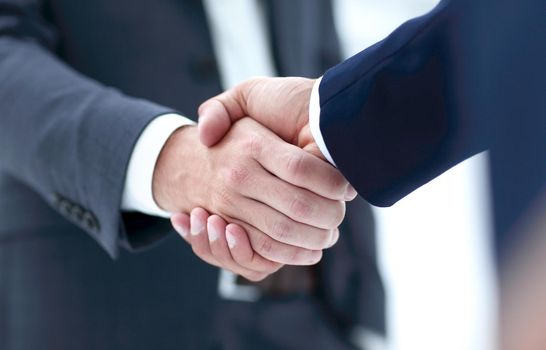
217 114
214 122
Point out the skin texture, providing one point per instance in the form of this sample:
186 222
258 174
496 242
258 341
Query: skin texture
279 104
288 202
258 99
228 247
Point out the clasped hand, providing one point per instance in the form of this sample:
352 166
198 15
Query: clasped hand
273 200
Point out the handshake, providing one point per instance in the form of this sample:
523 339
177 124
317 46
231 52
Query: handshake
260 193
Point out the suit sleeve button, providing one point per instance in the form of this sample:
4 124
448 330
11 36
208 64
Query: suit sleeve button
90 222
65 207
77 213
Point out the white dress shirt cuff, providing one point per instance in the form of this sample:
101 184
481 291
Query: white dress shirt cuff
137 193
314 121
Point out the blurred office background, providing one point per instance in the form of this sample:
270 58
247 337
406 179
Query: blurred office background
434 245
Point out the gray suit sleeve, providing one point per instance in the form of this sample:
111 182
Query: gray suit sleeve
64 135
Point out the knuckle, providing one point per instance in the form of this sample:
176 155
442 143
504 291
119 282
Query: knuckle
265 246
281 230
301 208
296 164
237 176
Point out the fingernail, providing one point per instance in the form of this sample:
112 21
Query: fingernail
230 238
197 225
181 230
350 193
213 234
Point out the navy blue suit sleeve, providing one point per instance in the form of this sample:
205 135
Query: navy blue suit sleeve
62 134
392 116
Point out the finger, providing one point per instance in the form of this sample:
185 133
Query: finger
281 228
216 228
335 237
242 252
313 149
275 251
218 114
300 168
198 239
181 224
214 122
298 204
198 236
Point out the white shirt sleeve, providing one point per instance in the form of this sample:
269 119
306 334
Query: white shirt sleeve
137 193
314 121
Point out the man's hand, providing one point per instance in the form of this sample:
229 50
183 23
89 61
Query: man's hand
219 244
280 104
288 201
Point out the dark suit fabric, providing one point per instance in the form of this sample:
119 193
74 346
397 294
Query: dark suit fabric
389 115
463 78
76 83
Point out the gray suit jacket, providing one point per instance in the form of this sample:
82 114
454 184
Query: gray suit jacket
77 81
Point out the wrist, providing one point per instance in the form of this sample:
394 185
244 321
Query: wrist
137 191
172 167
